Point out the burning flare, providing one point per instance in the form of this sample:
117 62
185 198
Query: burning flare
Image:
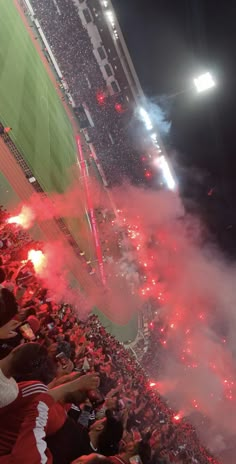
38 259
24 219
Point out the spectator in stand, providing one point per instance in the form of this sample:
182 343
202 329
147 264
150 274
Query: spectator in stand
7 331
92 459
73 440
83 78
31 377
43 416
8 306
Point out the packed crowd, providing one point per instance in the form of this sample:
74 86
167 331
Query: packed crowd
72 48
69 391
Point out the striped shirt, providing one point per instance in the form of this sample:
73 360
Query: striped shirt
12 415
30 446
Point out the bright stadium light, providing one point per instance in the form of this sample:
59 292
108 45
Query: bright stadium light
162 163
146 119
110 17
154 137
204 82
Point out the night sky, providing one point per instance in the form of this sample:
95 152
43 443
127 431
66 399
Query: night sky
171 41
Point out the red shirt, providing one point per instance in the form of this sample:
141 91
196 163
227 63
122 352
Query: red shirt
117 460
30 446
13 415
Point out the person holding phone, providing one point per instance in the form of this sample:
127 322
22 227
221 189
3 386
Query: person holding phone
26 331
8 330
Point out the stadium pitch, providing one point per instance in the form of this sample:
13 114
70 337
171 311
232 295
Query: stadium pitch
41 129
30 104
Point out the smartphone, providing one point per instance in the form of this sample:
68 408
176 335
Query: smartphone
62 359
51 325
61 312
135 459
26 332
96 398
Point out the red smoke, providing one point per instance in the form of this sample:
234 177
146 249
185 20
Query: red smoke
165 259
194 292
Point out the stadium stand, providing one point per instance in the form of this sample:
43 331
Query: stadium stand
69 391
108 130
67 387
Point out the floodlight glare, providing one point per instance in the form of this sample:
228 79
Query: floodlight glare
161 162
145 117
111 18
154 137
204 82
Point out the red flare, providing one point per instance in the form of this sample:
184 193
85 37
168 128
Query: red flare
24 219
178 416
38 259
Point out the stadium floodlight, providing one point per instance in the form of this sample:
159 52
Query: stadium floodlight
204 82
146 119
110 17
163 165
154 137
105 3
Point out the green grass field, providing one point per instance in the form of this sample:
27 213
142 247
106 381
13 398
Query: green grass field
42 131
30 104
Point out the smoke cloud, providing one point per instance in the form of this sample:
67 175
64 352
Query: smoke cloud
55 276
159 114
194 288
164 257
